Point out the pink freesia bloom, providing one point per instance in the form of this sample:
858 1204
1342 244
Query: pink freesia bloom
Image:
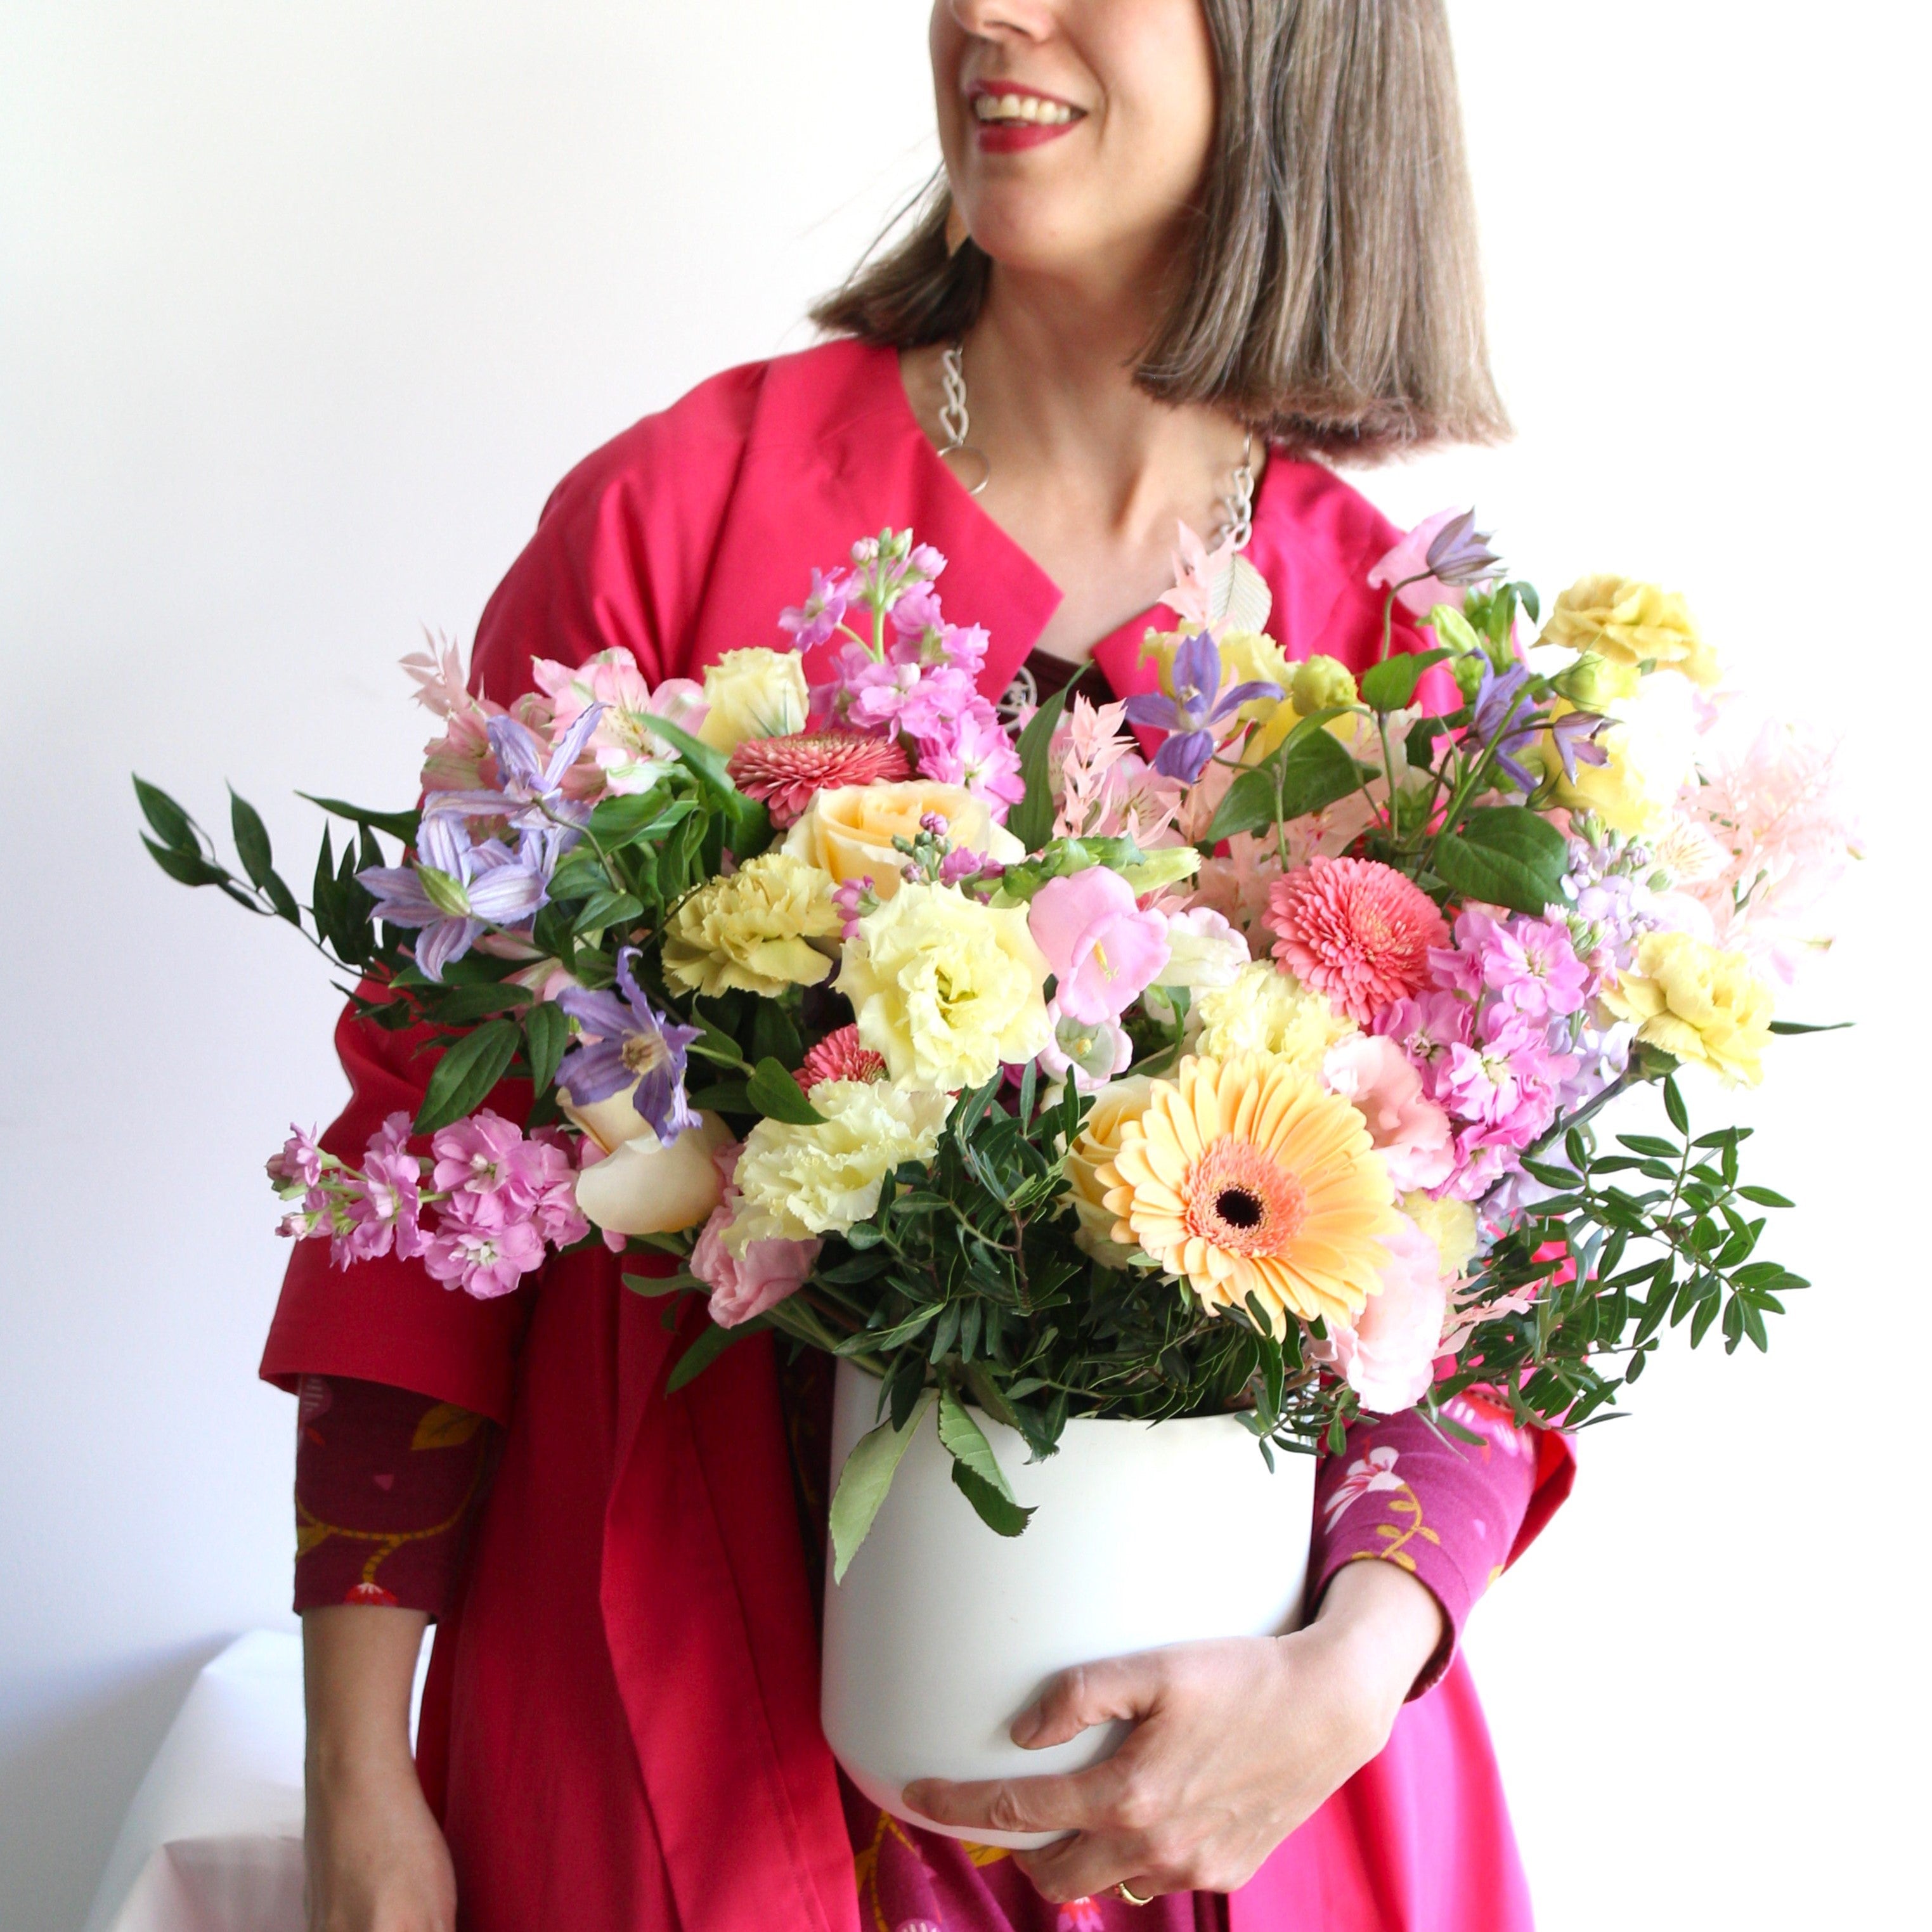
1103 949
1410 558
744 1285
1388 1356
485 1258
1410 1131
1356 930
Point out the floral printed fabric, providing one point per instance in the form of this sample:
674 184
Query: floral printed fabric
1448 1512
384 1481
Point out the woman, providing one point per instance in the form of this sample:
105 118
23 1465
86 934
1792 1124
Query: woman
1183 247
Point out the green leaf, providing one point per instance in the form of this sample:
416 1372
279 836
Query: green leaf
967 1444
1314 772
1673 1106
546 1031
607 908
191 869
466 1073
1031 821
173 826
998 1512
702 1352
778 1097
463 1006
1798 1026
401 825
747 826
1766 1197
1389 685
1454 629
862 1483
656 1284
1504 855
581 873
251 839
1248 805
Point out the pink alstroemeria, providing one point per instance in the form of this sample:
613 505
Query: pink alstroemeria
1104 950
1412 562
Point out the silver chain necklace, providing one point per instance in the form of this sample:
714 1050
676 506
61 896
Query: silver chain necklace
1238 505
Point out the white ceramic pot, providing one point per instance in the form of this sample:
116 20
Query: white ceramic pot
943 1632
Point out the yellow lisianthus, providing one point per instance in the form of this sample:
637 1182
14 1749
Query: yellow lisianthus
753 693
946 989
751 931
1265 1009
1696 1003
848 830
1628 623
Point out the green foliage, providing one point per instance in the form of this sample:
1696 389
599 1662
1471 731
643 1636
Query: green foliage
777 1096
1505 855
862 1483
466 1073
1031 821
1308 772
1389 685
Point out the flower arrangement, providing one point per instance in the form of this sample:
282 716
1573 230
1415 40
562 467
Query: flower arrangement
1234 1048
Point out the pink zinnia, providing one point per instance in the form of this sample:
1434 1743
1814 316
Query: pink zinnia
838 1056
785 772
1356 930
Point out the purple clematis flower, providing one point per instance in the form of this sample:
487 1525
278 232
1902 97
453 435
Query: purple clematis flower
1189 716
530 792
455 891
635 1047
1459 553
1498 705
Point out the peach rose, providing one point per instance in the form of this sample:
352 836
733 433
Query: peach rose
848 830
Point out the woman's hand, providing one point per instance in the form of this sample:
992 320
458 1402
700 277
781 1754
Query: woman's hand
1235 1743
376 1860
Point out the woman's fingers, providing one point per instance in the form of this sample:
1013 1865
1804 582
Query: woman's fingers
1073 1802
1088 1694
1090 1865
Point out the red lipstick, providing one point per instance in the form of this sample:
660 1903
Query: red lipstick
1008 133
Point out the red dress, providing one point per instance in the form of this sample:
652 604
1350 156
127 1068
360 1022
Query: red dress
621 1726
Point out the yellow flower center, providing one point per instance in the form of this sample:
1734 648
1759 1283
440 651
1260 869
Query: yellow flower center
1241 1200
644 1053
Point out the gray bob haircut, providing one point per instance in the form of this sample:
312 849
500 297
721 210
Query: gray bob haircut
1333 296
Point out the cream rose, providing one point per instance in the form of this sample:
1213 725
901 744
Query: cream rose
946 989
848 830
645 1186
1097 1142
753 693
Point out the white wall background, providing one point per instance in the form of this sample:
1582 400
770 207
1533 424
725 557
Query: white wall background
303 308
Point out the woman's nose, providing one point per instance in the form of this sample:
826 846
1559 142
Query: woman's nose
1004 19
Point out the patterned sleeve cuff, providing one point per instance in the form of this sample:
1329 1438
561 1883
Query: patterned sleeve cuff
386 1482
1447 1512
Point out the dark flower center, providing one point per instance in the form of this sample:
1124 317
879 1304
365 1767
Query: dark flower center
1238 1207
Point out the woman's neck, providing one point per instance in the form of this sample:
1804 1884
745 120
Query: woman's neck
1088 473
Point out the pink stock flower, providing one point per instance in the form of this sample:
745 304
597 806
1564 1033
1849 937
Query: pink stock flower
1103 949
973 750
1387 1356
484 1256
1428 1025
545 1179
1410 1131
1355 930
383 1208
473 1155
744 1285
299 1163
839 1056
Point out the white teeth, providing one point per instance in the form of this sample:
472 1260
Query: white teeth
1021 107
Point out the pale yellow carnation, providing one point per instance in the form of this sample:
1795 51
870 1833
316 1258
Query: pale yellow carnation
799 1182
753 693
1625 623
848 830
1450 1224
1699 1004
1266 1010
1097 1142
946 988
751 931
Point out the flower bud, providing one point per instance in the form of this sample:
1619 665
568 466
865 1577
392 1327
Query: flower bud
1467 673
1593 683
1320 683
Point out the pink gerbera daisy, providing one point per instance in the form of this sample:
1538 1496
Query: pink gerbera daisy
785 772
838 1056
1356 930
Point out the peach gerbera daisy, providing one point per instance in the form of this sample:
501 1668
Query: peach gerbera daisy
1246 1177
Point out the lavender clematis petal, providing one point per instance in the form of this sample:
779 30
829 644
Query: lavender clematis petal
444 845
602 1014
1184 755
444 942
590 1074
399 895
1155 709
519 754
506 894
1236 695
1459 553
569 748
1197 674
